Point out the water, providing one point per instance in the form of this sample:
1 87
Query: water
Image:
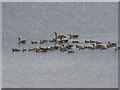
82 69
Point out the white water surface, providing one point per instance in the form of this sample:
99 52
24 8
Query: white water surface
54 69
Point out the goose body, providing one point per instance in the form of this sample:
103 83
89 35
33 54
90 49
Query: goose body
14 49
21 41
87 41
75 42
73 36
24 50
33 42
70 52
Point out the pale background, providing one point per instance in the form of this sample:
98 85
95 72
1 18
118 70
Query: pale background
112 39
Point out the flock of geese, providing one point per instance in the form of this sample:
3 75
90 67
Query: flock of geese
61 43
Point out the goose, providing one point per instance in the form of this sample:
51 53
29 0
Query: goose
111 45
56 47
92 41
38 50
63 49
98 42
92 48
61 37
31 49
108 46
14 49
52 48
65 41
103 48
53 40
75 42
81 48
44 41
117 48
24 50
93 45
55 33
86 46
73 36
43 50
70 45
33 42
99 46
77 46
21 41
87 41
41 41
70 52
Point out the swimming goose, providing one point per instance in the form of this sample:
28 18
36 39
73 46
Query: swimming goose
117 48
98 42
75 42
92 41
112 44
70 52
33 42
103 48
81 48
77 46
87 41
21 41
73 36
55 33
14 49
24 50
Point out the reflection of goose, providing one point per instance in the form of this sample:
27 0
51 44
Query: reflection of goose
21 41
